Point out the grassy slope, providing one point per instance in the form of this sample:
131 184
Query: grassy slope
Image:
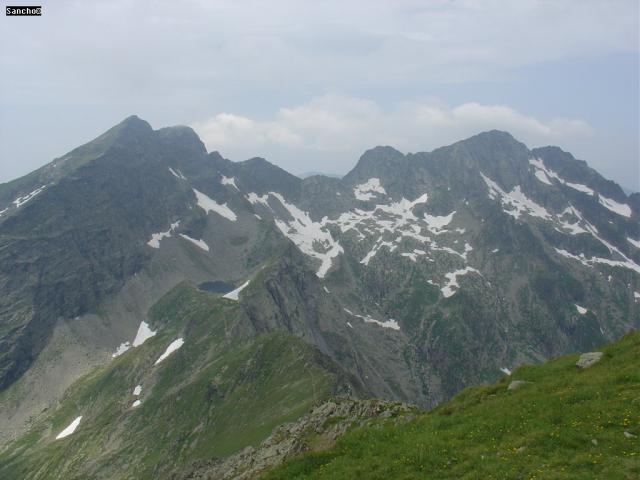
211 397
544 429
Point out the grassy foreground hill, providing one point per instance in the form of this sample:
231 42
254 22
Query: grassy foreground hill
564 423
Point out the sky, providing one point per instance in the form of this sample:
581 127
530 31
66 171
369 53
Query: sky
311 85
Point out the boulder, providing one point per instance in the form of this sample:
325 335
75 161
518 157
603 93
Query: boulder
588 359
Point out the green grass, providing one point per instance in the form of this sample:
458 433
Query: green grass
215 395
543 430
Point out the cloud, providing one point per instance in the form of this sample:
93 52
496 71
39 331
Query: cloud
227 130
150 47
333 130
84 66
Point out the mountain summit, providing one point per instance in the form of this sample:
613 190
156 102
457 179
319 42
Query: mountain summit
223 288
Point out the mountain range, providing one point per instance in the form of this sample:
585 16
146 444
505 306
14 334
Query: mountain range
163 305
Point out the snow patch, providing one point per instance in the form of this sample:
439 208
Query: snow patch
581 310
539 165
452 281
635 243
199 243
136 404
516 200
543 173
138 390
540 175
326 289
310 237
573 228
70 429
620 208
636 296
254 199
18 202
144 334
229 181
177 174
210 205
121 349
590 262
392 324
581 188
233 295
173 346
505 370
587 227
378 245
393 218
436 224
156 237
369 189
413 255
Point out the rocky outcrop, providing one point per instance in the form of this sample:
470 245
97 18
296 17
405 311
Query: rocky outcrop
317 430
588 359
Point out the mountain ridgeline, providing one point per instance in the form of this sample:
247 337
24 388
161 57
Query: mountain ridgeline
237 295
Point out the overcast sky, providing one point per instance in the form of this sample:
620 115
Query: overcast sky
310 85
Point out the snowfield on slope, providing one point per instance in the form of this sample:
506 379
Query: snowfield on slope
544 174
177 174
452 285
619 208
310 237
18 202
234 295
198 243
369 189
156 237
173 346
391 323
518 202
210 205
70 429
229 181
143 334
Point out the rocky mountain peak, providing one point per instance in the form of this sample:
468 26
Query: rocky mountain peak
134 122
380 161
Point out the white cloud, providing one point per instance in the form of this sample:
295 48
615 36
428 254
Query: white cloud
230 130
84 66
162 47
333 130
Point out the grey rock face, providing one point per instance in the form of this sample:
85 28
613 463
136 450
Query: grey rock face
515 384
588 359
317 430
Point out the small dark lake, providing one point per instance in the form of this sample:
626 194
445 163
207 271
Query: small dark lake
216 287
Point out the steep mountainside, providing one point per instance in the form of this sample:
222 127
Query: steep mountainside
199 386
409 279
